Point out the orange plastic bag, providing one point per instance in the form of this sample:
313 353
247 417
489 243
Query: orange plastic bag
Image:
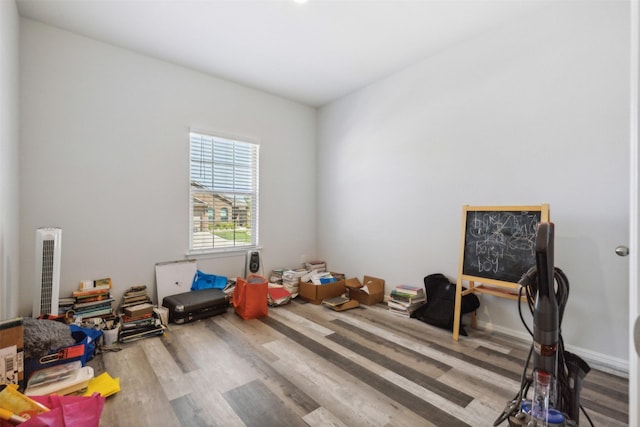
250 297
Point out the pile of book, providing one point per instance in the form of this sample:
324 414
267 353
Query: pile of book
276 276
315 265
405 299
277 295
229 287
138 319
65 305
93 302
135 295
291 280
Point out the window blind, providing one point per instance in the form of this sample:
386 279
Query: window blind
223 192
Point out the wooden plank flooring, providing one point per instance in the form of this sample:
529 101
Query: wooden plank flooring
307 365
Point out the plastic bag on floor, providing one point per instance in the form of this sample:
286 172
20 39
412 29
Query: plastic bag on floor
250 297
66 411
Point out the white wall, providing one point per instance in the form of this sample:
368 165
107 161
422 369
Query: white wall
534 112
105 156
9 138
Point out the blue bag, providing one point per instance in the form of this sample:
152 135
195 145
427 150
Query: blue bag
208 281
88 337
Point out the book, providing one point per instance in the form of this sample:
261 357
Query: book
125 332
98 303
410 289
403 313
126 318
315 265
90 298
102 283
91 292
143 323
136 289
93 313
133 295
140 298
125 305
278 295
125 338
335 301
400 294
404 306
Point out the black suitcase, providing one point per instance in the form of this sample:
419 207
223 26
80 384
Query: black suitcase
195 305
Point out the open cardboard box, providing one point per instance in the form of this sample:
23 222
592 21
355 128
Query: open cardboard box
12 351
373 284
316 293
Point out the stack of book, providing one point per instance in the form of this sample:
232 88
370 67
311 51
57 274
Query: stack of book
316 265
94 302
135 295
139 321
277 295
276 276
65 305
405 299
229 287
291 280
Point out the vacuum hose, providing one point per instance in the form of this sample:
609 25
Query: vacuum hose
546 288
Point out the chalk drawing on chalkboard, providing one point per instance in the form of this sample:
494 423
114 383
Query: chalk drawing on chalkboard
499 244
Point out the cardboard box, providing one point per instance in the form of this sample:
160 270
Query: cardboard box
374 285
353 283
12 352
338 276
316 293
349 304
139 310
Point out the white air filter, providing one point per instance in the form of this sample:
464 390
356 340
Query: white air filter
47 285
253 264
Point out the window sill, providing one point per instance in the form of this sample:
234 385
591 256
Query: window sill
220 253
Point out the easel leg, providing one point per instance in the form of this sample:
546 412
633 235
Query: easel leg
456 313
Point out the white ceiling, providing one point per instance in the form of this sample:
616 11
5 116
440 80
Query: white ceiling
312 53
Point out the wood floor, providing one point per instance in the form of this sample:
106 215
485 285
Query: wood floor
308 365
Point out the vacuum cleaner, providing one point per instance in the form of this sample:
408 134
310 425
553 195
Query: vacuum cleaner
556 375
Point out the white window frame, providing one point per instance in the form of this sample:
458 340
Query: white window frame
238 182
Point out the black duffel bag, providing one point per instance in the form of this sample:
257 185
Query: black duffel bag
441 302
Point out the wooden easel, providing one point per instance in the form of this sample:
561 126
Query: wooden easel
497 246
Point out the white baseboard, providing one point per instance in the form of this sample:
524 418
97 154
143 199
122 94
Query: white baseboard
602 362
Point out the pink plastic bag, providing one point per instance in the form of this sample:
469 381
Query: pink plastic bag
67 411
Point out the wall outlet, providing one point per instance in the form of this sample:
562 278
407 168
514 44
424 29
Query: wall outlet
303 259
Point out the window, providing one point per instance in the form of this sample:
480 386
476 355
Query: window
224 193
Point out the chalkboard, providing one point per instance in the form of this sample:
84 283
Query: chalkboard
499 242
